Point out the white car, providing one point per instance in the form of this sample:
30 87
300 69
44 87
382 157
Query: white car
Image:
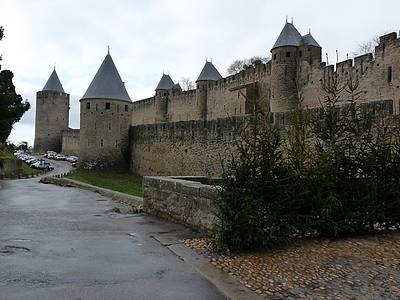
72 159
59 157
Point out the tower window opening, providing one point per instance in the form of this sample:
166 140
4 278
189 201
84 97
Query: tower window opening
116 144
101 143
390 74
300 53
126 107
108 105
287 54
88 105
275 56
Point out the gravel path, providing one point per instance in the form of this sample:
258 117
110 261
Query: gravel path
358 268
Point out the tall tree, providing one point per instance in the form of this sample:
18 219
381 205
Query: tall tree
237 65
12 107
187 84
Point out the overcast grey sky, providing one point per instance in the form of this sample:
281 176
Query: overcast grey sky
175 36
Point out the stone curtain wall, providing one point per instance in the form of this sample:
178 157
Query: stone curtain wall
183 201
197 148
183 148
70 142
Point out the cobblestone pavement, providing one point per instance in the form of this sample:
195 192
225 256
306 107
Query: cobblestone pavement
357 268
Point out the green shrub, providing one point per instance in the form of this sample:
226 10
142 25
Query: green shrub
334 172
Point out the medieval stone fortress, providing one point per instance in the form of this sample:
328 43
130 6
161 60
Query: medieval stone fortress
179 132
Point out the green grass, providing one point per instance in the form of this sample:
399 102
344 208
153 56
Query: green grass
27 170
6 154
123 182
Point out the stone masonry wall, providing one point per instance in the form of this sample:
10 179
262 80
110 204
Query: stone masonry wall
184 201
70 142
52 116
197 148
182 148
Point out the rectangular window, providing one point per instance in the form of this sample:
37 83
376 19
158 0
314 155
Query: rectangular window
88 105
390 75
108 105
101 143
274 56
287 54
126 107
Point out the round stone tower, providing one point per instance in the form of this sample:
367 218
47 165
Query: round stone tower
284 67
208 73
163 93
52 115
105 118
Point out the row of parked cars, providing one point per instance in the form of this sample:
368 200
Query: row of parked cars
58 156
33 161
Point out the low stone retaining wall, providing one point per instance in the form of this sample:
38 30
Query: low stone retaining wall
183 201
10 167
135 202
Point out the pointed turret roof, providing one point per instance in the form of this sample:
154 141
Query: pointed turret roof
53 83
308 39
209 72
107 83
289 37
177 87
165 83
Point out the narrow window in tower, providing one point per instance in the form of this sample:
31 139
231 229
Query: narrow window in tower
390 75
88 105
287 54
300 53
275 56
126 107
116 144
107 105
101 143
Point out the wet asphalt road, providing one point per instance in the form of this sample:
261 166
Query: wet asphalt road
64 243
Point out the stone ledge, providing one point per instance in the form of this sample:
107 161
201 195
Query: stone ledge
134 201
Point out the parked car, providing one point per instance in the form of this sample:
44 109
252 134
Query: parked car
50 153
31 161
42 165
72 159
51 156
59 157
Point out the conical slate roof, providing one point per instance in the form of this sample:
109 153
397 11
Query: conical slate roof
289 37
53 83
107 83
209 72
308 39
177 87
165 83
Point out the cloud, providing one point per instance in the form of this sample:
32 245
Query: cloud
175 36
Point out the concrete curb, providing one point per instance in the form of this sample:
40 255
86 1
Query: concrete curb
230 287
134 201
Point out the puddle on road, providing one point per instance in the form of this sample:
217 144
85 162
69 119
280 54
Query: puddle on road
11 249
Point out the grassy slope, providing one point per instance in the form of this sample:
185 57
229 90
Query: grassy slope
123 182
27 170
